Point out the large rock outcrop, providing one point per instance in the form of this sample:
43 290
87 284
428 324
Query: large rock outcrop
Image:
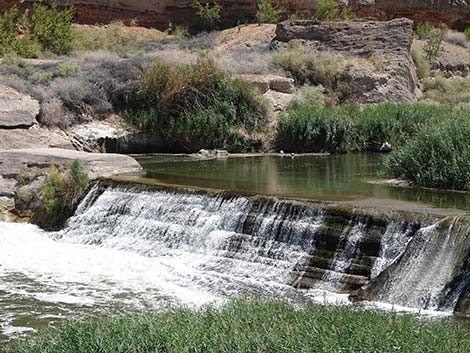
19 127
98 165
159 13
378 53
17 110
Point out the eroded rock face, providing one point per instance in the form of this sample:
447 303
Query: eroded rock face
159 13
381 67
456 13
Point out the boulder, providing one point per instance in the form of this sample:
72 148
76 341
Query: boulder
278 90
380 66
265 83
17 110
15 162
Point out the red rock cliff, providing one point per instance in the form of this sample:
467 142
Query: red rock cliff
159 13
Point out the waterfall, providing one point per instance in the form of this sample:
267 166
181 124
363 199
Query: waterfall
431 274
131 247
247 239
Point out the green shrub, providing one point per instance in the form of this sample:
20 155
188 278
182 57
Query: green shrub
209 13
47 29
52 28
262 326
327 10
467 33
437 156
423 30
328 70
8 24
61 193
422 64
23 179
27 47
268 13
67 68
433 47
195 106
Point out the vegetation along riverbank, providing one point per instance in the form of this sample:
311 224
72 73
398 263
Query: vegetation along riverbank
248 325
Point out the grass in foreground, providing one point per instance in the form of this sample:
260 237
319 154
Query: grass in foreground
253 326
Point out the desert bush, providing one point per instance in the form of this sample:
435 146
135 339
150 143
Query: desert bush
97 89
53 114
328 70
309 95
422 64
448 91
467 33
68 68
433 47
115 38
268 13
249 61
194 106
61 194
423 30
437 156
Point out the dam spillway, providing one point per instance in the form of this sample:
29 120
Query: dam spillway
130 246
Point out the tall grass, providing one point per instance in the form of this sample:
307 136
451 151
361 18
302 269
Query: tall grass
253 326
307 128
195 106
437 156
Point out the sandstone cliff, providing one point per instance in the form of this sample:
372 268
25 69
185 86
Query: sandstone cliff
381 67
159 13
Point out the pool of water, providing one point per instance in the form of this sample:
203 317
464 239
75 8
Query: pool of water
345 177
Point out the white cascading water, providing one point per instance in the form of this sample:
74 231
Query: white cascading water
432 260
127 249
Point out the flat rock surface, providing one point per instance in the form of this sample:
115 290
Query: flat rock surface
17 110
34 137
98 165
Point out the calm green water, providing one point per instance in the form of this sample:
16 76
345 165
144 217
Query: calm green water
347 177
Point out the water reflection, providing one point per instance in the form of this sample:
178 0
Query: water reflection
333 178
